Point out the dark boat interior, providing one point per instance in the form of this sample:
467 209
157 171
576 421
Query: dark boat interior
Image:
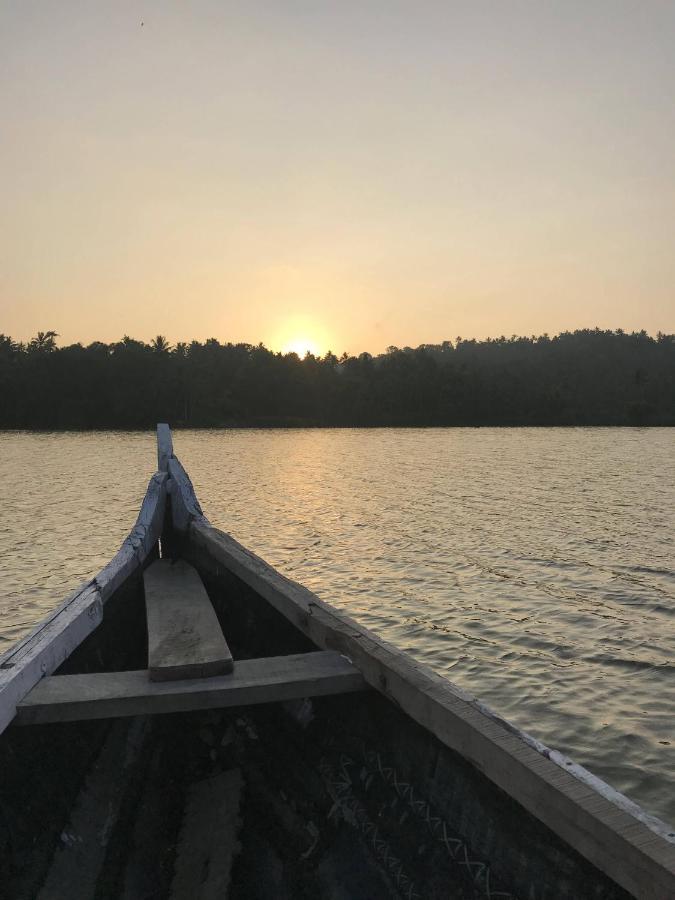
331 797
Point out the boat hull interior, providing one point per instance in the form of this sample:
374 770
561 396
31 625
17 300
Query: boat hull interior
338 797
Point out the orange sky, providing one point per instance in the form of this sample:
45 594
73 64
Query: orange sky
345 176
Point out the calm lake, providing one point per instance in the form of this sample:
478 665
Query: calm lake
534 567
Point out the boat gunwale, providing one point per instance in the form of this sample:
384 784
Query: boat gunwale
634 849
53 640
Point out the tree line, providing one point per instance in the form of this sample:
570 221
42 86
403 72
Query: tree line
584 377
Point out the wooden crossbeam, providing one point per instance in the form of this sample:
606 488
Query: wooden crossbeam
184 636
103 695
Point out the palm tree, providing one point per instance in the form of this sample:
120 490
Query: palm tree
8 347
43 342
160 344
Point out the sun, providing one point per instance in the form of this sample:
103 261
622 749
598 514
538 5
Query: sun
302 346
301 334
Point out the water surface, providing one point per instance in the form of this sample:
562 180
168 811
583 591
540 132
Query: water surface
534 567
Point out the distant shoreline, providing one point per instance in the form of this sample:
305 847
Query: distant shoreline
575 379
317 426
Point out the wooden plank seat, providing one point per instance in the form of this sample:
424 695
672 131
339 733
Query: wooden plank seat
184 636
102 695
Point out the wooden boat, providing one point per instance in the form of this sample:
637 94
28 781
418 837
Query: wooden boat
243 738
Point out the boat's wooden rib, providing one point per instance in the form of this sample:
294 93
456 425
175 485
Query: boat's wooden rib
79 858
208 840
42 651
634 849
184 636
100 695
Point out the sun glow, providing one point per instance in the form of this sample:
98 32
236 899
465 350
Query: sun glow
302 346
300 333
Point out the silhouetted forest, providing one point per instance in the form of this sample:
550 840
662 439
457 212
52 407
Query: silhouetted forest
588 377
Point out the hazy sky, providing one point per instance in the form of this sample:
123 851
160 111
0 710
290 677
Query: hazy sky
352 174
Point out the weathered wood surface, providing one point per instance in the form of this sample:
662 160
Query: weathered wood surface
141 540
208 839
79 859
634 849
184 636
164 447
185 507
43 650
102 695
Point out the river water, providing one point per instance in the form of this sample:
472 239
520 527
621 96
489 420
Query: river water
533 567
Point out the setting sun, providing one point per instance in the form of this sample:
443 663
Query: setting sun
302 334
301 346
